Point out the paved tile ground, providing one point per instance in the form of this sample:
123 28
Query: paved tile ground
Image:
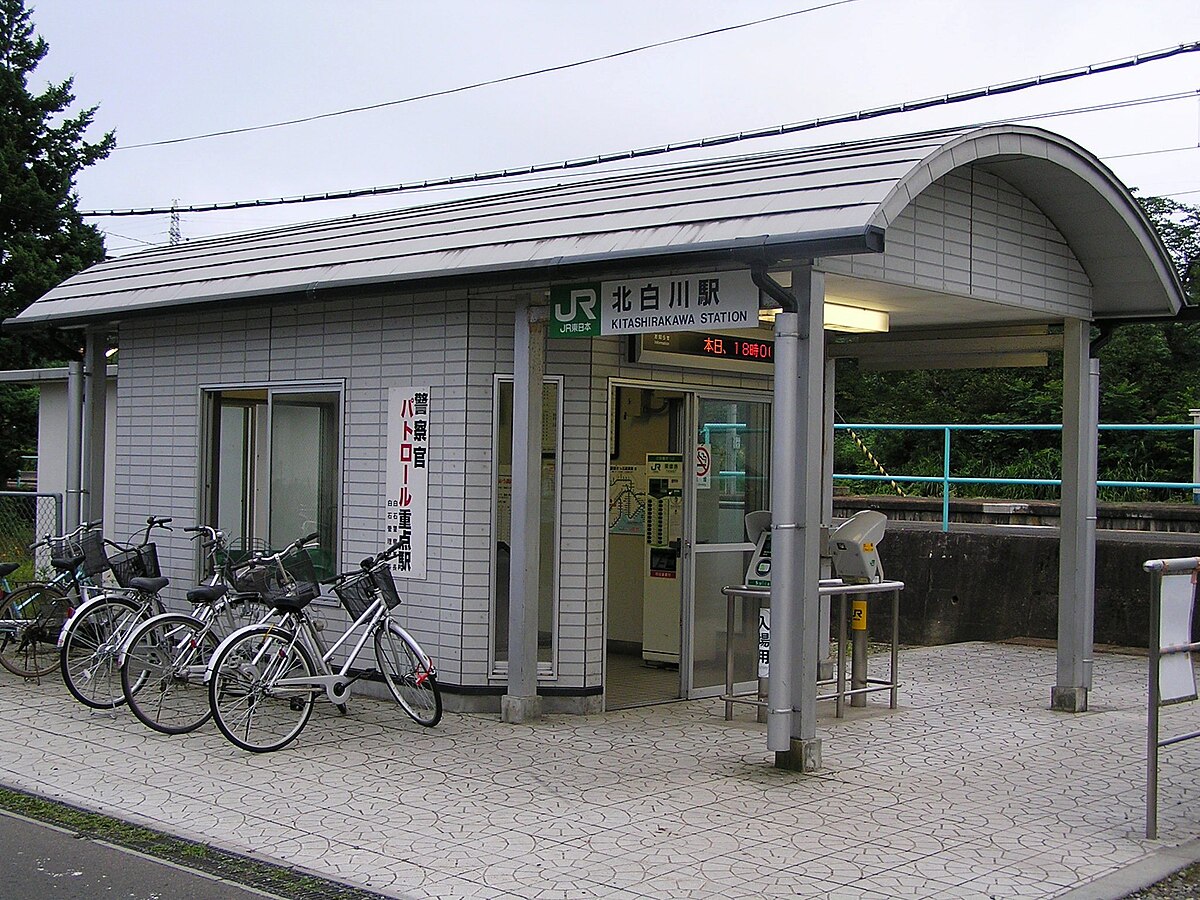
973 788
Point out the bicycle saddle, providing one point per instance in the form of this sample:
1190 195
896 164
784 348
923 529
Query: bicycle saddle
66 563
149 585
7 569
206 593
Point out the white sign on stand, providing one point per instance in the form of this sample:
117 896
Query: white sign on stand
1176 674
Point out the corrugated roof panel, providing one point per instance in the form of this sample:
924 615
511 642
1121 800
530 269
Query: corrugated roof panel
816 189
794 197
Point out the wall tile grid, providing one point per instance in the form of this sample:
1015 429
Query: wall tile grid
972 233
370 342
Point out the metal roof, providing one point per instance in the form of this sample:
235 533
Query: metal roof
811 202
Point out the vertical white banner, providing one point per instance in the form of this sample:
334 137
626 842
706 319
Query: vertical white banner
407 500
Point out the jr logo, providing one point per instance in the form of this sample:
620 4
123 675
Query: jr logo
575 310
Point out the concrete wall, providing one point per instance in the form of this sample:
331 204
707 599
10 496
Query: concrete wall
52 445
992 584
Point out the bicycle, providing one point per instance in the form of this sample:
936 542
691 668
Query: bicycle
163 661
32 616
92 638
264 679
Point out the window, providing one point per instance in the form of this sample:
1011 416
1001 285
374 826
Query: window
548 581
274 467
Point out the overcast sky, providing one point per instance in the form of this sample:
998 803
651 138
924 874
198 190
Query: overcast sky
162 70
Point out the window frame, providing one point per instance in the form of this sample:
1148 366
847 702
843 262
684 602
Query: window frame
208 398
546 669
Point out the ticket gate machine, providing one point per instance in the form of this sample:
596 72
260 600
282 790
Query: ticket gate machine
852 546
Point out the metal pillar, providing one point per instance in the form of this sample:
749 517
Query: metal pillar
1077 539
521 703
95 409
74 443
1195 414
796 525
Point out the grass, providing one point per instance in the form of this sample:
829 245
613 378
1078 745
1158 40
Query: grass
190 854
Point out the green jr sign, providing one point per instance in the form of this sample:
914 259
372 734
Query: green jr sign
575 311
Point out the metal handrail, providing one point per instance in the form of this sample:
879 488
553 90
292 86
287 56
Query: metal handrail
946 480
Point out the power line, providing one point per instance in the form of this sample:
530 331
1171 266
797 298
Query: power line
494 81
1152 152
698 143
126 237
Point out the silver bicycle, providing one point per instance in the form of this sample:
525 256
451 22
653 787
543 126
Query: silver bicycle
164 659
264 678
92 638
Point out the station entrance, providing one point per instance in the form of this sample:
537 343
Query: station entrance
685 467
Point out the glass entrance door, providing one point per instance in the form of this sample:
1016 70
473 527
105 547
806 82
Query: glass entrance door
732 470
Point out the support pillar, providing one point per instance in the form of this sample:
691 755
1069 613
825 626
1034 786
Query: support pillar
95 410
1077 539
796 525
521 702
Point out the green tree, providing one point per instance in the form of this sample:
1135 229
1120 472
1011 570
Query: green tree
43 239
1149 373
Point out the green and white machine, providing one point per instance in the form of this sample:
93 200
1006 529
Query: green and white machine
758 530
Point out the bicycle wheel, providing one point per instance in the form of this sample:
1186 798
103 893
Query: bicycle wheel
88 656
30 619
162 672
250 706
409 677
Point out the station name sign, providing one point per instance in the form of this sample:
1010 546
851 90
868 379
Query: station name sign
671 303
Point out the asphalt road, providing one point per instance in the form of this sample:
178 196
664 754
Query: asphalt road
42 861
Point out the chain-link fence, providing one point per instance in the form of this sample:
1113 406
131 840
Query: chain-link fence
24 518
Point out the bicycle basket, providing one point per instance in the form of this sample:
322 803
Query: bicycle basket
134 562
299 584
357 593
95 562
254 579
88 548
386 582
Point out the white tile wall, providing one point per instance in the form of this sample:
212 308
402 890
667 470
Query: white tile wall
972 233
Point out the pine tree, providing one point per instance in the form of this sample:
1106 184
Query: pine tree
43 238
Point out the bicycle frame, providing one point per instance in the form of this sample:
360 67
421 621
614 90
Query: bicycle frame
336 685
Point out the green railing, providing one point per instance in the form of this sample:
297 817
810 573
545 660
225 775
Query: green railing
947 480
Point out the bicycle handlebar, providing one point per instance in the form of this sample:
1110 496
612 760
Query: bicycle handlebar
66 536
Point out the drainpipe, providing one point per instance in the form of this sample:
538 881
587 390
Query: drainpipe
785 462
95 408
74 443
798 417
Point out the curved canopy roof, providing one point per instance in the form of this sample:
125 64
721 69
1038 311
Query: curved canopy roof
824 201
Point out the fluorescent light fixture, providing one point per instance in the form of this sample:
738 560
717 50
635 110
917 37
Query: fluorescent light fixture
840 317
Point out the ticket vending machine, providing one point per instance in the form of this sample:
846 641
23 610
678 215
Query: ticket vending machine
662 588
